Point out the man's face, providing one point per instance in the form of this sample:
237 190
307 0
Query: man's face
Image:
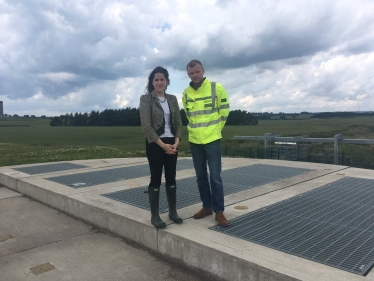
196 73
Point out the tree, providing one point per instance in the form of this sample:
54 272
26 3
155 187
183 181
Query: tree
264 116
80 119
55 121
239 117
93 118
64 119
135 117
131 117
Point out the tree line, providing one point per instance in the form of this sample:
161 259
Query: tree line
341 114
131 117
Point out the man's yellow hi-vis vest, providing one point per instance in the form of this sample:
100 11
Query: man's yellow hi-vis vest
207 110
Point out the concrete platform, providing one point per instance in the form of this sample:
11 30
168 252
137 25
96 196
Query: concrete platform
41 243
192 242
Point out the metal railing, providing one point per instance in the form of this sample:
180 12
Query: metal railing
338 139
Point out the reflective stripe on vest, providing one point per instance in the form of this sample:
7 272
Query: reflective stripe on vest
201 112
204 98
204 112
187 99
214 95
207 124
224 106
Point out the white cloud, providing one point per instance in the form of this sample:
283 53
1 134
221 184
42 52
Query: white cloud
292 56
59 77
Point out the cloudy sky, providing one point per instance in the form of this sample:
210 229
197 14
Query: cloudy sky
62 56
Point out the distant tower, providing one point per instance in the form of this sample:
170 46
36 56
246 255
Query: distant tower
1 109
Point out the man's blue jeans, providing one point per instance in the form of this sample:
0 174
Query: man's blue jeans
210 194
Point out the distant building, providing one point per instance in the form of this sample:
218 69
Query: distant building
1 109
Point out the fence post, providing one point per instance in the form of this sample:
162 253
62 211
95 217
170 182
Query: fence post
267 137
337 138
265 145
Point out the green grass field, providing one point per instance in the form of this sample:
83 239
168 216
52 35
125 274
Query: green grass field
32 140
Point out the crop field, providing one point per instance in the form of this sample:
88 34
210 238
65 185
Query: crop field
33 140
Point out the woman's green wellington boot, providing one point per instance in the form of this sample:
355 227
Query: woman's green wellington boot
154 196
171 194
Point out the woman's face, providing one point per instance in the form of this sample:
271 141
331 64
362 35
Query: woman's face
160 83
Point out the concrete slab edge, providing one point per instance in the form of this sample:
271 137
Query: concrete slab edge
140 233
8 181
121 226
223 265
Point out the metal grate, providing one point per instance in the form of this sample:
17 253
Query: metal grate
112 175
234 180
332 224
184 164
50 168
247 177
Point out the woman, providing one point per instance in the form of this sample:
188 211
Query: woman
162 126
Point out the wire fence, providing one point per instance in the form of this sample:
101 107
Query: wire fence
356 158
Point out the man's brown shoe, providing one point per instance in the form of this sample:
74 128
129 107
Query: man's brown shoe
222 221
203 213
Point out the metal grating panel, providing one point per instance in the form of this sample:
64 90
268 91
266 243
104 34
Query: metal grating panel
247 177
112 175
49 168
332 224
234 180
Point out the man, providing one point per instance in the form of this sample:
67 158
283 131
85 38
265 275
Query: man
206 105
